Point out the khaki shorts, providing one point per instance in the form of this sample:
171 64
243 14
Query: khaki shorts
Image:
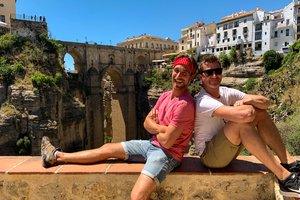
219 151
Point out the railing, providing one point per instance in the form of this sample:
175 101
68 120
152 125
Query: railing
28 17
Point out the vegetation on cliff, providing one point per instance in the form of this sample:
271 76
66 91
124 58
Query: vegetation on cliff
28 64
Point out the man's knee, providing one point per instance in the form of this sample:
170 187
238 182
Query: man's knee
261 115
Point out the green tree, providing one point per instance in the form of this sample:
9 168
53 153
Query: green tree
233 55
271 60
224 59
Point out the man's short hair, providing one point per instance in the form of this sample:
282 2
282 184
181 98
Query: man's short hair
208 60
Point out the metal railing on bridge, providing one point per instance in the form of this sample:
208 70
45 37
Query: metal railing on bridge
33 18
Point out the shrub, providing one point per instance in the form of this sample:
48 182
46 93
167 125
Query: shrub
9 71
23 145
271 60
250 85
233 55
8 42
224 59
58 78
40 80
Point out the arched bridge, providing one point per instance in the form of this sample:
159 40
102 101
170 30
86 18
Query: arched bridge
125 67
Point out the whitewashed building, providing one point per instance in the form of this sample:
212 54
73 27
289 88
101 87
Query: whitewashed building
256 31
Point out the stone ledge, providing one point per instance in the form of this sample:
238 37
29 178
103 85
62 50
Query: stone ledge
23 177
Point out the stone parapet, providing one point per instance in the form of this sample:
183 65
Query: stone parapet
25 178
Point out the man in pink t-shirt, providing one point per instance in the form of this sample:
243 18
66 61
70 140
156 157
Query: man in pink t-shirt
170 122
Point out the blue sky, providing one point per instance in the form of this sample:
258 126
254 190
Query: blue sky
112 21
109 22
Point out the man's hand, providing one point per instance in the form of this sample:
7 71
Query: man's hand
238 103
153 115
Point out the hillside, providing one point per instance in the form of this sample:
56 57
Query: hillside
34 96
282 87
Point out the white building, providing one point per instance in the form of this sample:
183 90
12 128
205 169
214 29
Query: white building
236 30
190 37
256 31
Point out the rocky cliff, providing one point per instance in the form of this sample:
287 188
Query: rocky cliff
29 111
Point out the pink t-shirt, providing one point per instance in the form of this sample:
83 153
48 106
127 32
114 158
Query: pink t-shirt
179 112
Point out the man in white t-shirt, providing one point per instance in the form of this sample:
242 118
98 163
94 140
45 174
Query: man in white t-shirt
227 120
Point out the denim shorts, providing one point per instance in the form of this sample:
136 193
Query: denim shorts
158 163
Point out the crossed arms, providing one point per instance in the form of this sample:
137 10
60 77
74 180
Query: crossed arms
243 111
166 135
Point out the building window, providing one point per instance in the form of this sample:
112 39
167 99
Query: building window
182 48
287 32
286 44
275 34
257 46
258 36
245 30
236 24
182 41
225 27
2 18
287 21
258 27
225 35
245 20
1 5
233 32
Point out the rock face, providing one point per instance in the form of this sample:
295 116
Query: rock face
37 113
237 75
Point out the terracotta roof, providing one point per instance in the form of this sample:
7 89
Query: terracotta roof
238 15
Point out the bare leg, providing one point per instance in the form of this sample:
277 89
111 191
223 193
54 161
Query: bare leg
143 188
109 150
270 134
246 134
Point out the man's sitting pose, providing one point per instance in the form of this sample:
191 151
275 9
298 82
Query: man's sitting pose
171 123
227 120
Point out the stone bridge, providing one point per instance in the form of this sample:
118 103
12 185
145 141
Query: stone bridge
125 67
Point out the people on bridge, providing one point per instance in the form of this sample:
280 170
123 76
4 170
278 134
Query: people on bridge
228 120
171 122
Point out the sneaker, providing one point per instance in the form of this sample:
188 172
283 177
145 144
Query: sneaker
47 153
290 187
292 167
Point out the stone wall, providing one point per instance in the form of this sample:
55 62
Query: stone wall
177 186
28 28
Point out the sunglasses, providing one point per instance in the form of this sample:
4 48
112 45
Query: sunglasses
210 72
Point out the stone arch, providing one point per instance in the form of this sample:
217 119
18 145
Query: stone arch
76 57
141 63
113 102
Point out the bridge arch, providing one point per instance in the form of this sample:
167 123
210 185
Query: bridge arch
93 63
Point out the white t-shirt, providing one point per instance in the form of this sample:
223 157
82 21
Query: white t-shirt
206 126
